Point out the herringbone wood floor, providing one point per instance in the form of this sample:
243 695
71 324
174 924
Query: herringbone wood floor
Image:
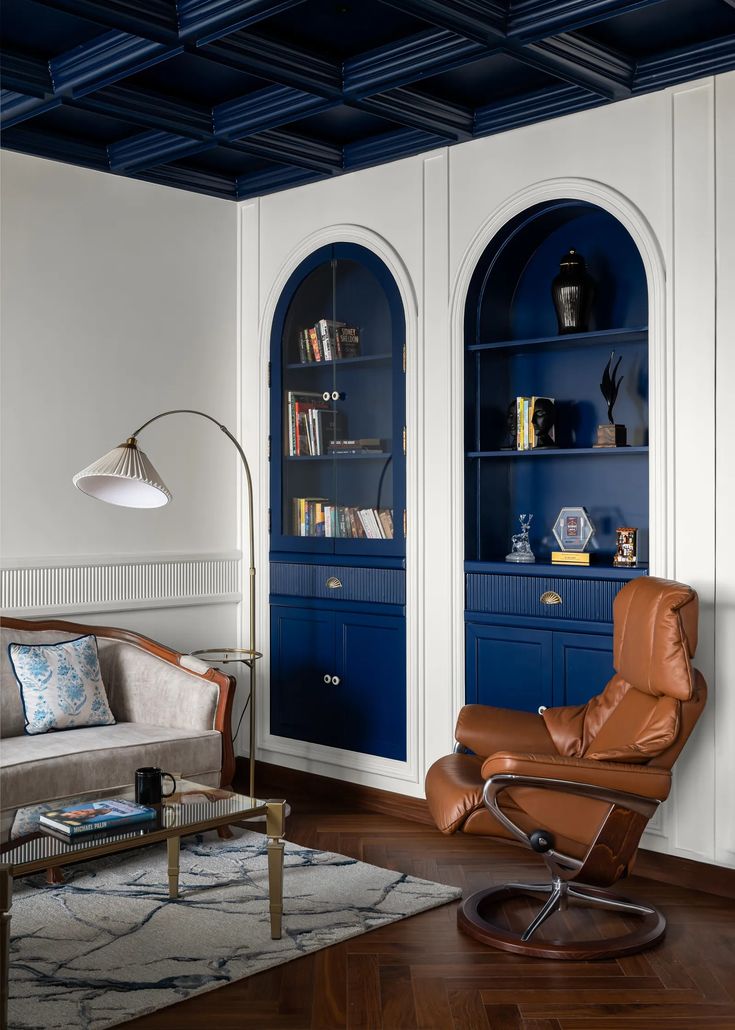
421 973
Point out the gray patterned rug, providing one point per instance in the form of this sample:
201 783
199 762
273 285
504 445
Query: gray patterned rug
109 945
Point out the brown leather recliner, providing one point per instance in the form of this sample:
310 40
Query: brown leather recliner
579 784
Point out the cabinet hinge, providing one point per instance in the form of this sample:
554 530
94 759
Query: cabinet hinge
269 448
404 357
269 373
270 521
404 441
404 523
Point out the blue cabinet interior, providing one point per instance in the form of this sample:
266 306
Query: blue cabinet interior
353 631
520 653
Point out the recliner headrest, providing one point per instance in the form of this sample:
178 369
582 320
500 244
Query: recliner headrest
655 636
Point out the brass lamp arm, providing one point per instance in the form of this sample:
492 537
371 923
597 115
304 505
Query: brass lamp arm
248 477
251 577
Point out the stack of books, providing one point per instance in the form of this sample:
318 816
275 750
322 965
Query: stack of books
363 445
84 816
312 423
317 516
328 340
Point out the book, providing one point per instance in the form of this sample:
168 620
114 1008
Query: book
84 816
348 341
316 350
386 520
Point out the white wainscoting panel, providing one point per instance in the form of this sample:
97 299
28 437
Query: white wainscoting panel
33 588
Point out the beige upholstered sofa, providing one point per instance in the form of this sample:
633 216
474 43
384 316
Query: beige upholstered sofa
172 711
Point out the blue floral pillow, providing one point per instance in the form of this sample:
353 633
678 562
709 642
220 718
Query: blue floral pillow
60 685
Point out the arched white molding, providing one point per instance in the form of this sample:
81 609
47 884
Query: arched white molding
362 767
660 397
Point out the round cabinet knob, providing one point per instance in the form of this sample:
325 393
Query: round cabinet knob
335 681
335 395
327 678
550 597
326 395
542 709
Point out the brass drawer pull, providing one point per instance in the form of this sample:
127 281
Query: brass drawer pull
334 584
550 597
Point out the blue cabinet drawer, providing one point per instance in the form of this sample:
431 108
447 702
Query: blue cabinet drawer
584 599
339 583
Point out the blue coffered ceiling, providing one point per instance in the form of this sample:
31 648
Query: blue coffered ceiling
237 98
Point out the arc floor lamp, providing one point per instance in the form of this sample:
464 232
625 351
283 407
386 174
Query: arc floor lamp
125 476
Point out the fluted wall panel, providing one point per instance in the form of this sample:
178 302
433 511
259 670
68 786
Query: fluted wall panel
108 585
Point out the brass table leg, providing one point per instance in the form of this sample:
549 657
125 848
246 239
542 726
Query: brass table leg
6 900
174 847
275 827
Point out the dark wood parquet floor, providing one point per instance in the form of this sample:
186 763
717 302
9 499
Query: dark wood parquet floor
421 973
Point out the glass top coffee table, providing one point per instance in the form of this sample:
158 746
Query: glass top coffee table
26 848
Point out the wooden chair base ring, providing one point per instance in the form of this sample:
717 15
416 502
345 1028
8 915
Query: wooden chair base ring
475 918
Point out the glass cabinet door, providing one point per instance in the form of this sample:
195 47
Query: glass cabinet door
338 409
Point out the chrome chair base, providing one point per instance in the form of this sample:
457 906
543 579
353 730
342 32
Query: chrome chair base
475 919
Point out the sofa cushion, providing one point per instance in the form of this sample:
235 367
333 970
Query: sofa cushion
60 685
57 765
12 720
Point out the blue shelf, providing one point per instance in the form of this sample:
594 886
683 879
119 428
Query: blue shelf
607 336
604 569
363 359
566 452
337 457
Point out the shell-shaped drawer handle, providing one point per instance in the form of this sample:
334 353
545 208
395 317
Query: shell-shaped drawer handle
334 584
550 597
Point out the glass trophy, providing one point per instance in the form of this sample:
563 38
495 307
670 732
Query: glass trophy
521 549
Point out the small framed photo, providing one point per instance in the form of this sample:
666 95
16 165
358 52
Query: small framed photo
573 529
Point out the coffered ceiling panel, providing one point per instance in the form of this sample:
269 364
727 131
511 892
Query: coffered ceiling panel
237 98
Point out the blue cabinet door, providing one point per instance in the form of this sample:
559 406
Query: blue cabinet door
370 699
339 679
583 663
508 667
302 654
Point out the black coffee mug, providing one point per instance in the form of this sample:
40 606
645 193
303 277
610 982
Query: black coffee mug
149 785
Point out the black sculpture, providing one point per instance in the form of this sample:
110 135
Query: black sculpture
511 428
611 435
610 385
543 419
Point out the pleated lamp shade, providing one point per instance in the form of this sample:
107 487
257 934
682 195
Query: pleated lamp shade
124 476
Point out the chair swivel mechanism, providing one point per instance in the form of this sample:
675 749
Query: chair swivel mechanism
578 784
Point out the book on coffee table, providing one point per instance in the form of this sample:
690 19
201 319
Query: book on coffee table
85 816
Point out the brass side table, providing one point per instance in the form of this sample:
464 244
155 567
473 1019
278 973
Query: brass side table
228 656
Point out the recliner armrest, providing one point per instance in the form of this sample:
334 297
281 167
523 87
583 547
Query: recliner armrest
485 730
644 781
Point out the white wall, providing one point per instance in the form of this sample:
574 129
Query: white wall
119 300
664 164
